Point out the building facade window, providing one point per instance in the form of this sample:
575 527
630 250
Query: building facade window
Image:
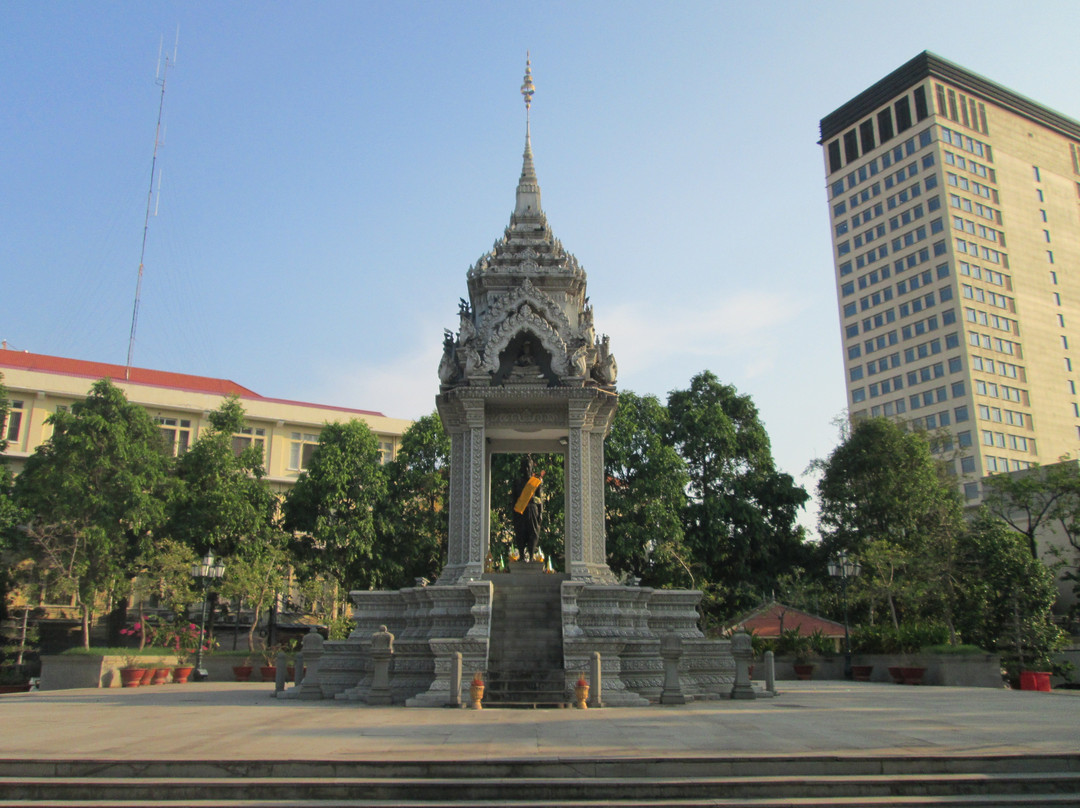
13 428
386 452
176 432
249 436
302 446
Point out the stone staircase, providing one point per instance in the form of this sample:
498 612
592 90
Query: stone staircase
525 657
897 781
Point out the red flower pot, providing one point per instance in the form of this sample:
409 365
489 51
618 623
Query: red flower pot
268 672
912 676
861 673
181 673
803 672
131 677
147 676
1035 680
160 677
242 673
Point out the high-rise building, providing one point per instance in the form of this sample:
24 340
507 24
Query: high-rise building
954 205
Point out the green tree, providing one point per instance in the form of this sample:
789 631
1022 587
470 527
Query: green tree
1005 602
414 519
1039 499
740 520
255 573
223 498
95 494
223 504
332 508
885 499
10 516
880 483
645 496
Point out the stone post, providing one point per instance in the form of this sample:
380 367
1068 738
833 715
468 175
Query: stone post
671 651
382 650
770 672
309 687
455 681
596 692
742 651
281 673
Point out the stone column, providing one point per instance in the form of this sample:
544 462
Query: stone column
586 548
576 502
468 495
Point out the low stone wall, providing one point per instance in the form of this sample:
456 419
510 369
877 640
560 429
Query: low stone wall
947 670
66 671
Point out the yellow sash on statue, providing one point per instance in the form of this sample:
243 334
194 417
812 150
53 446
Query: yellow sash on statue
527 494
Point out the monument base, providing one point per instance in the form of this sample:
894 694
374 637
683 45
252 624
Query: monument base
432 624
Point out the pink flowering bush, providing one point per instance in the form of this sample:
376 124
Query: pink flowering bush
182 638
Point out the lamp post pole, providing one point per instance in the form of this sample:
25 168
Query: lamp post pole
204 571
843 568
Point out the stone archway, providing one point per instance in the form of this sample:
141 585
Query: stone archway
486 421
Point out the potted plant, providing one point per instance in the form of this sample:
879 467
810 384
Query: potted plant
801 649
861 673
131 673
581 693
160 676
242 672
476 692
912 638
13 679
268 671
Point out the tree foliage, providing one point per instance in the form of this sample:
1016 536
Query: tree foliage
413 517
646 493
332 508
740 520
95 493
885 499
1044 497
10 515
1005 602
222 500
882 484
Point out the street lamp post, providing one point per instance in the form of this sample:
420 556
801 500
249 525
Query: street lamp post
203 572
843 568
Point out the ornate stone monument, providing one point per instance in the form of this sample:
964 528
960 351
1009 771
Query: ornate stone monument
526 372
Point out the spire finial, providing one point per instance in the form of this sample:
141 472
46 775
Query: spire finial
528 88
528 191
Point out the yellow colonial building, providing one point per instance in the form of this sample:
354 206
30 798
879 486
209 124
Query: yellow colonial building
288 431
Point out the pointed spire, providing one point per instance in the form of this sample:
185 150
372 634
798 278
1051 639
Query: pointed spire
528 190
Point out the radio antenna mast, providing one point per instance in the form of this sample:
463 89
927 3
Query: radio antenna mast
160 76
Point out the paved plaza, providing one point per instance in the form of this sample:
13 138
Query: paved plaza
229 721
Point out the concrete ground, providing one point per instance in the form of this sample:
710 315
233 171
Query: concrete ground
232 721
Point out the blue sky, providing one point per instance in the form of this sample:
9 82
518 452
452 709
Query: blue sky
330 170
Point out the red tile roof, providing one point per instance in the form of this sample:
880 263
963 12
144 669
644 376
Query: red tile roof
767 621
80 368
